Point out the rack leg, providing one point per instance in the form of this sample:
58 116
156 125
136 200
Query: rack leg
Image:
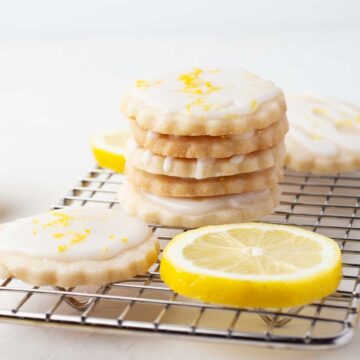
81 305
277 320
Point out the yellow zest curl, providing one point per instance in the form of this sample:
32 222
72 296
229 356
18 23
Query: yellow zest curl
78 237
198 102
194 85
344 122
146 83
253 104
58 235
320 111
61 219
62 248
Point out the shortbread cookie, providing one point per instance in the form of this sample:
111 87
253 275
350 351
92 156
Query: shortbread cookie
203 102
210 146
197 212
324 135
76 246
184 187
206 167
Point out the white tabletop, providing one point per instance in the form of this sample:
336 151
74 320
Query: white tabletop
55 92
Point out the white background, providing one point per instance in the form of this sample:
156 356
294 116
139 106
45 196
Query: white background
63 65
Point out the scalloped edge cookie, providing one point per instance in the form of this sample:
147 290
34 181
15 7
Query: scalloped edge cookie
299 159
210 146
184 125
324 135
206 167
134 202
37 271
163 185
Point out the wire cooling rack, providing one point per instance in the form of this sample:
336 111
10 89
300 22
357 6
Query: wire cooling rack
325 204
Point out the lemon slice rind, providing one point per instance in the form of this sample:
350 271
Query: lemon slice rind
299 287
108 149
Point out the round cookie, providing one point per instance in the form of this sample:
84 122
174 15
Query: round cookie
76 246
205 167
324 135
184 187
197 212
210 146
205 101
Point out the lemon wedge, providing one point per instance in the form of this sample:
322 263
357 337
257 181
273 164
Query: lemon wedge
252 265
109 149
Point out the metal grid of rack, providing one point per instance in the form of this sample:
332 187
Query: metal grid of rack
326 204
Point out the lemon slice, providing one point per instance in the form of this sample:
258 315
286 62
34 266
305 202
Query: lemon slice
109 149
252 265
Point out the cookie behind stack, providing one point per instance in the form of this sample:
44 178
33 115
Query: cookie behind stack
208 147
327 131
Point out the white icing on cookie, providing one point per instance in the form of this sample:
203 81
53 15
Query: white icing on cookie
203 205
74 234
151 135
323 126
207 93
167 164
146 156
201 165
131 146
237 159
321 147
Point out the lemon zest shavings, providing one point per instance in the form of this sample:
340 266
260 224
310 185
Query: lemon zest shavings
58 235
112 237
194 85
211 88
344 122
253 104
146 83
78 237
62 248
320 111
61 219
125 240
198 102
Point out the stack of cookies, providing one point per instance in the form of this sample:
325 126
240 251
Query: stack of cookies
207 148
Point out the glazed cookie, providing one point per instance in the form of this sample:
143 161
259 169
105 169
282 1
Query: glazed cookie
324 135
210 146
185 187
205 167
203 102
76 246
197 212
